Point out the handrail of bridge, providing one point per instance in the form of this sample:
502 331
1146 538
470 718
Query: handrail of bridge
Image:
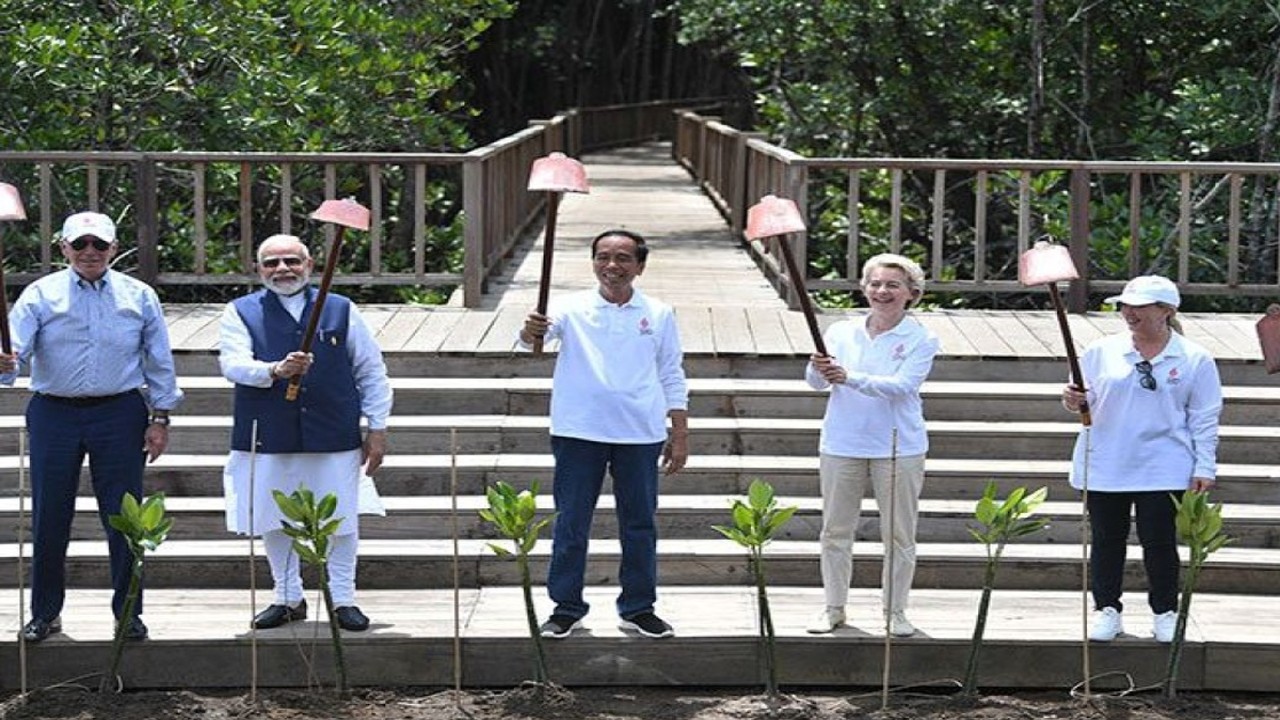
969 220
223 203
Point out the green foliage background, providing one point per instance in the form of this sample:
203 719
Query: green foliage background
1137 80
1140 80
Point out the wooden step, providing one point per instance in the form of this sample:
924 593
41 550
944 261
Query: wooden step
679 517
1032 640
423 563
430 434
708 398
179 475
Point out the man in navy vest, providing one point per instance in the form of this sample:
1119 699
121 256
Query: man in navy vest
314 441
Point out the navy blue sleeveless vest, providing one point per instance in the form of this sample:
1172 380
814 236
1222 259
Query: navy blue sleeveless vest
326 415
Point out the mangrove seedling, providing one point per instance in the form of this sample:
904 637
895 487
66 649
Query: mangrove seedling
999 522
144 527
311 525
755 523
515 516
1199 525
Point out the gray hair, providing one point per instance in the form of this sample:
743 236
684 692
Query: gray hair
280 239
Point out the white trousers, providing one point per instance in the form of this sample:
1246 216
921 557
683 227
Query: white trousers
286 568
844 482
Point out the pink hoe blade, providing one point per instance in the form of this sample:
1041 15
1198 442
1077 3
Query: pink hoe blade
773 216
1046 263
1269 338
11 203
347 213
558 172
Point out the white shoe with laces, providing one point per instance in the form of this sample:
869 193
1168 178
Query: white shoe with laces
826 621
900 626
1163 626
1107 626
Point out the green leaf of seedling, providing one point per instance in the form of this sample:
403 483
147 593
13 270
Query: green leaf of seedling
759 494
328 505
499 550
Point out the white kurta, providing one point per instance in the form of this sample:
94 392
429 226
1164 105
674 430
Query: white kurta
323 473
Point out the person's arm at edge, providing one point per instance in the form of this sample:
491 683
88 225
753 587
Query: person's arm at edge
374 386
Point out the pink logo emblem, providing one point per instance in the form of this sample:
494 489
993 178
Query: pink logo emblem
645 329
900 352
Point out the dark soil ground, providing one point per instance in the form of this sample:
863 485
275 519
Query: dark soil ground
530 703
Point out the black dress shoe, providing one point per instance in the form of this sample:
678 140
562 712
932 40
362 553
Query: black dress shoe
350 618
277 615
37 629
136 629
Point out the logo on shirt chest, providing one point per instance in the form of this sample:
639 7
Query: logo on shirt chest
1173 378
899 353
645 327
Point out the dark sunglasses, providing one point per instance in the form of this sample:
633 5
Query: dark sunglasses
81 242
272 263
1145 378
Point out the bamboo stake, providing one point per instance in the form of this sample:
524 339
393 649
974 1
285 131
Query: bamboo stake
22 521
889 558
253 582
457 613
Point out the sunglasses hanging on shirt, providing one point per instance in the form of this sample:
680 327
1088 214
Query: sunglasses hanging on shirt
1145 378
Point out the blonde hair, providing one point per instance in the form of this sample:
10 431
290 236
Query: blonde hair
1172 321
909 268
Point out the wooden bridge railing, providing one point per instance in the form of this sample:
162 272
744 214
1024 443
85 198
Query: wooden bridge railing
221 204
1211 226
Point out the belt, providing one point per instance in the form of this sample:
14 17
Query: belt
84 400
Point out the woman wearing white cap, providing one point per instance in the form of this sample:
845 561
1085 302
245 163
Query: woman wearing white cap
1155 398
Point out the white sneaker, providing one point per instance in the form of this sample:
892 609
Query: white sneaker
826 621
900 626
1108 626
1163 626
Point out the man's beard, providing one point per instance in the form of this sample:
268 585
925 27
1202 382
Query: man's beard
292 286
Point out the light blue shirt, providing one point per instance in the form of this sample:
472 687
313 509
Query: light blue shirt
90 339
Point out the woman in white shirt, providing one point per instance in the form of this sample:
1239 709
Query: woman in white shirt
1154 397
873 430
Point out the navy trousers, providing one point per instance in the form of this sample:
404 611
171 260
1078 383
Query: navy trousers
579 476
111 434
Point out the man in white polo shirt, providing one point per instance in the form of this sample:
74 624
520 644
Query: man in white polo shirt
618 379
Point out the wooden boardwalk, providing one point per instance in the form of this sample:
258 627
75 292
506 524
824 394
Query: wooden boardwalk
725 307
745 353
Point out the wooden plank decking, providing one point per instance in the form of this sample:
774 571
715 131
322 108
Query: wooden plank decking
736 332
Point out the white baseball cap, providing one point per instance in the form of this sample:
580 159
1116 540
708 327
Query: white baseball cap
1147 290
88 223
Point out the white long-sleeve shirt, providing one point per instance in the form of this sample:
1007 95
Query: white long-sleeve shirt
882 391
619 370
1140 439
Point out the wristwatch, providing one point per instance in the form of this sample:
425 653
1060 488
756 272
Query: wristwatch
160 420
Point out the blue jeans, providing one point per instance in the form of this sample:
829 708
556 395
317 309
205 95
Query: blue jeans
112 435
579 475
1109 516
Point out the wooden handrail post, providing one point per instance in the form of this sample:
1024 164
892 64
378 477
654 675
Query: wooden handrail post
146 207
795 184
1078 291
473 206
